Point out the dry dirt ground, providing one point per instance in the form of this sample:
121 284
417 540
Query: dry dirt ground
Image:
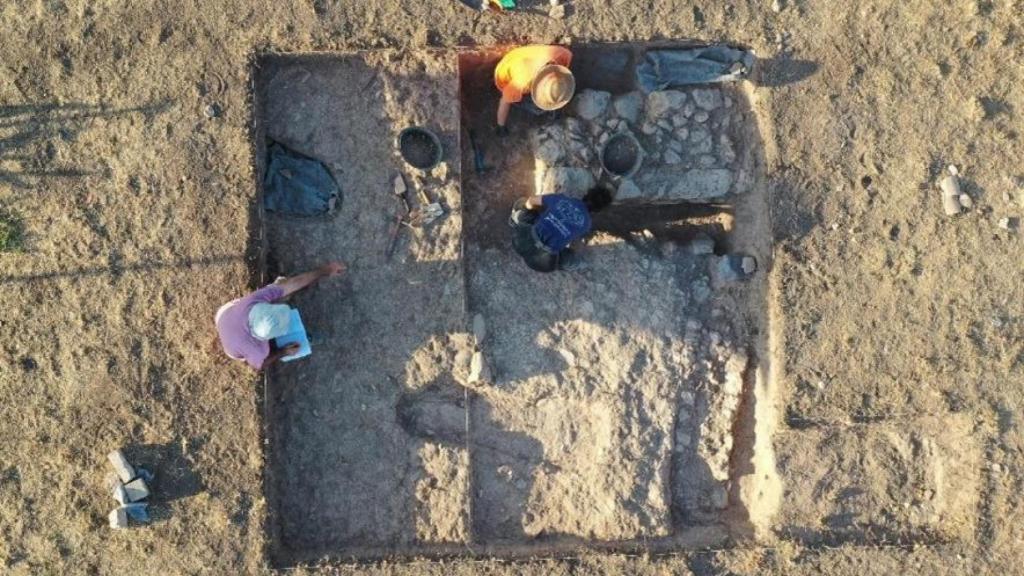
125 148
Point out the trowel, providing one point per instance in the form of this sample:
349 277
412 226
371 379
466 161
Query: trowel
427 212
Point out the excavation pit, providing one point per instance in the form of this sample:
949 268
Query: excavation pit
616 406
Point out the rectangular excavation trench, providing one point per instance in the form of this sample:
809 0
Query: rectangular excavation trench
620 410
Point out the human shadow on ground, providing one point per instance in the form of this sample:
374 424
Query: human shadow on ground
118 268
29 134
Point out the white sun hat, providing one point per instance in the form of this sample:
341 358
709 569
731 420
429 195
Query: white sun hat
268 321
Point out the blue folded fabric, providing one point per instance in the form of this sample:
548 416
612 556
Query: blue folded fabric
298 185
672 68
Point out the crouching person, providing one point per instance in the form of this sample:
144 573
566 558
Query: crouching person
247 326
544 227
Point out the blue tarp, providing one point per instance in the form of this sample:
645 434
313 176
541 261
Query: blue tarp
672 68
298 185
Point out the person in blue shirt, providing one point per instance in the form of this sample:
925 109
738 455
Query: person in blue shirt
544 227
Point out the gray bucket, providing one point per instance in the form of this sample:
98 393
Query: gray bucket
621 155
420 147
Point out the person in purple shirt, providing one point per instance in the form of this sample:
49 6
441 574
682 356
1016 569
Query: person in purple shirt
544 227
247 325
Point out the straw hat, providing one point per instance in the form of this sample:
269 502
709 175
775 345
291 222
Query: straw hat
553 87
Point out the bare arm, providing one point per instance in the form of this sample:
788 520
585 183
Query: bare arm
503 107
276 355
293 284
535 202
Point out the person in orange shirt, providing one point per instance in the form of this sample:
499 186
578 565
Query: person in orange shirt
542 72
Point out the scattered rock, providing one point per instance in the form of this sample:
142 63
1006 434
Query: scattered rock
701 290
581 150
950 187
966 201
1009 223
556 11
749 265
627 106
730 268
479 328
725 149
777 6
118 492
719 497
136 490
591 104
706 161
702 245
707 98
661 102
672 158
478 369
665 124
735 366
567 180
212 110
628 190
701 117
649 128
118 518
676 146
688 109
550 151
121 466
683 133
700 140
682 438
399 185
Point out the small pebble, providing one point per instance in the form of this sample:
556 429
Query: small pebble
479 328
777 6
212 110
966 201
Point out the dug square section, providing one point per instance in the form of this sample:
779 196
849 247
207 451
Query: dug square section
457 403
628 382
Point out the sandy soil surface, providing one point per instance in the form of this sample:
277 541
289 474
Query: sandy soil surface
125 147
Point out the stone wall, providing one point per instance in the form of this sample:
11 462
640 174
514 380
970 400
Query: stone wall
692 143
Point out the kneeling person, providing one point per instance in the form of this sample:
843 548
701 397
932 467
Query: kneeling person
544 227
247 325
